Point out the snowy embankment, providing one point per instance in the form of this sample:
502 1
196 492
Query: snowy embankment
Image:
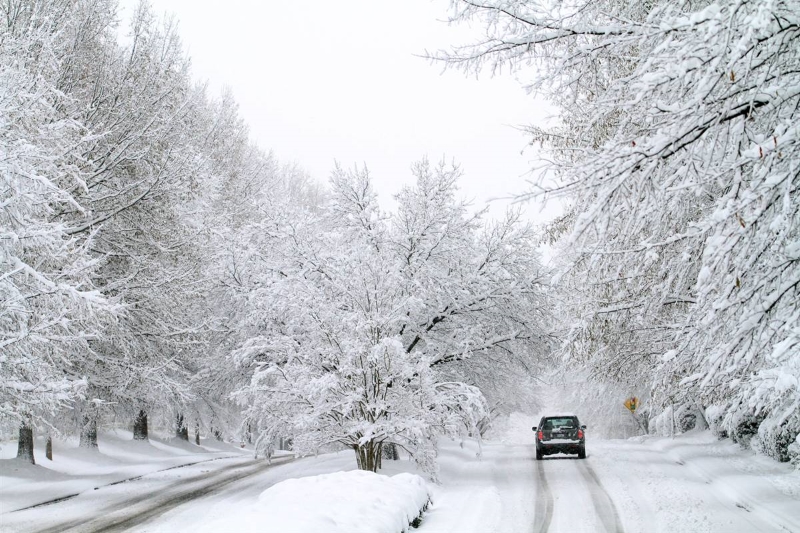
340 502
312 494
74 470
697 482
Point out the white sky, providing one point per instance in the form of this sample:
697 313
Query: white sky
323 80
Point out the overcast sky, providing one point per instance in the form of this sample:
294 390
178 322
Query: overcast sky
322 80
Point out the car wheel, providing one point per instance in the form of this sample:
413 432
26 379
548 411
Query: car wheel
539 455
582 452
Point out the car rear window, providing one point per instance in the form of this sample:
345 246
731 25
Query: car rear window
553 423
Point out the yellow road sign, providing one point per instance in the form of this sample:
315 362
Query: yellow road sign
632 403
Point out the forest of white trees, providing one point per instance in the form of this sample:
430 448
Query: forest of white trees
158 267
677 151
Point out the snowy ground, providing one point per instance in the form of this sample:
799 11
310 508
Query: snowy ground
691 483
75 470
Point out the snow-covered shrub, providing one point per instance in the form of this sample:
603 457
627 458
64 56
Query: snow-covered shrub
689 417
745 427
794 451
662 423
777 435
687 421
675 419
715 417
773 433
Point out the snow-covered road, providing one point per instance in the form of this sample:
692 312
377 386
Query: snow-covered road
693 483
121 507
577 481
508 490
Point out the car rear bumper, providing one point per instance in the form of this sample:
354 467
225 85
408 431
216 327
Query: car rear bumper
561 446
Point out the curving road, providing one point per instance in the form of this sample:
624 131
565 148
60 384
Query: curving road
125 506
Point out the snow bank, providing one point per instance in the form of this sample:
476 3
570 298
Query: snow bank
697 482
346 502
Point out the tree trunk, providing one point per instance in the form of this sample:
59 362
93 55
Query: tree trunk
48 449
368 456
140 426
390 452
702 412
25 447
197 432
89 429
181 431
639 423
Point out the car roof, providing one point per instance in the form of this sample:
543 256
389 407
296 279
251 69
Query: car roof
552 417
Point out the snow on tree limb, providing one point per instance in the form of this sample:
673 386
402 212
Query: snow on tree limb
678 146
368 306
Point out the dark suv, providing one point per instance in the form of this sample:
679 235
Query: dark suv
560 434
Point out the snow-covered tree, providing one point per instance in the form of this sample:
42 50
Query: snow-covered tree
127 198
104 161
679 147
50 308
360 313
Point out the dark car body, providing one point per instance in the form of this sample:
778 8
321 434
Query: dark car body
560 434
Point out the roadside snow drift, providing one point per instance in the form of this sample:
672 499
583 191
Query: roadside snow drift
346 502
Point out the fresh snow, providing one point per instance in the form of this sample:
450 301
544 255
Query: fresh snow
341 502
75 470
693 482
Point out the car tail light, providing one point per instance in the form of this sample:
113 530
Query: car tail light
580 433
541 435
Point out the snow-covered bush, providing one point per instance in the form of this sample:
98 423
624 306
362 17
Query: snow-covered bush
715 416
776 436
744 427
773 433
794 451
689 417
675 419
662 424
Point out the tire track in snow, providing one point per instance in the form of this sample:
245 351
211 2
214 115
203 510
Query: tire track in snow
603 504
544 501
128 513
162 507
119 482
